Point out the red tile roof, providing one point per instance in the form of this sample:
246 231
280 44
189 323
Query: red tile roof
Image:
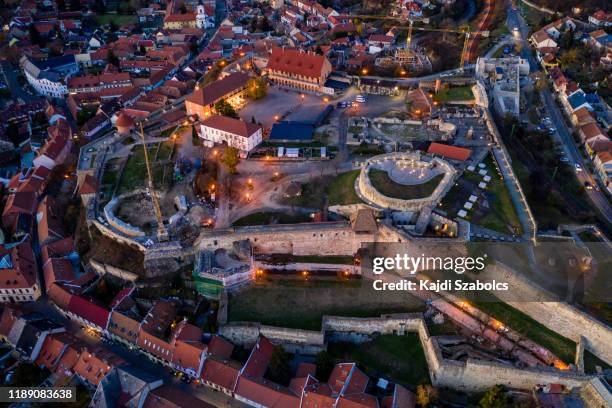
258 361
94 364
357 401
306 369
401 398
57 249
449 152
297 62
221 374
89 185
10 314
219 89
17 267
266 393
18 203
59 295
231 125
53 349
168 396
89 311
188 352
58 270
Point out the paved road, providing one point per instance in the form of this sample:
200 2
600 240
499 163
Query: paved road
563 134
10 74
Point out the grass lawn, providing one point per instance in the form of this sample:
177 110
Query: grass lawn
265 218
165 151
562 347
458 93
109 177
365 149
385 185
339 190
118 19
342 189
135 171
398 357
502 215
301 304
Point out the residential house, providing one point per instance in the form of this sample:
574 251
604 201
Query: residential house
600 40
591 131
127 386
19 275
156 330
541 39
94 364
601 18
168 396
19 207
28 334
48 76
57 147
88 313
603 167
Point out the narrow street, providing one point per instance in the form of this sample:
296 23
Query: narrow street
563 134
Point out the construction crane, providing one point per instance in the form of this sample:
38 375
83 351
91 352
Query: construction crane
464 30
162 232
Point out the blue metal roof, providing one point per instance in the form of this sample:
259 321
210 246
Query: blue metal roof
294 131
576 100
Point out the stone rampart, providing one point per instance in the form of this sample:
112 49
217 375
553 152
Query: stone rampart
331 238
367 190
104 269
118 224
293 340
110 233
560 317
472 375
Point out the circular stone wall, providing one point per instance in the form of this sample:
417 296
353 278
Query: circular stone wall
406 181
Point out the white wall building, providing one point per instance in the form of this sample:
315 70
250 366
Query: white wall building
48 77
234 132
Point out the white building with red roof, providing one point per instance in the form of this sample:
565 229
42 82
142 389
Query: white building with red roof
18 273
244 136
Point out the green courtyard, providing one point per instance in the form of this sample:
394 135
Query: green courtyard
338 189
385 185
493 210
134 173
300 303
398 357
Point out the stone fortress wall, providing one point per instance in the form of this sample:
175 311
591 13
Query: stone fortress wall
559 317
329 238
472 375
371 194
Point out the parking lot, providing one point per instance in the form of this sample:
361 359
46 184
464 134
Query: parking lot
280 104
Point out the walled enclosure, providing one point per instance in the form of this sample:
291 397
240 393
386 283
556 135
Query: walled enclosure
473 375
366 190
